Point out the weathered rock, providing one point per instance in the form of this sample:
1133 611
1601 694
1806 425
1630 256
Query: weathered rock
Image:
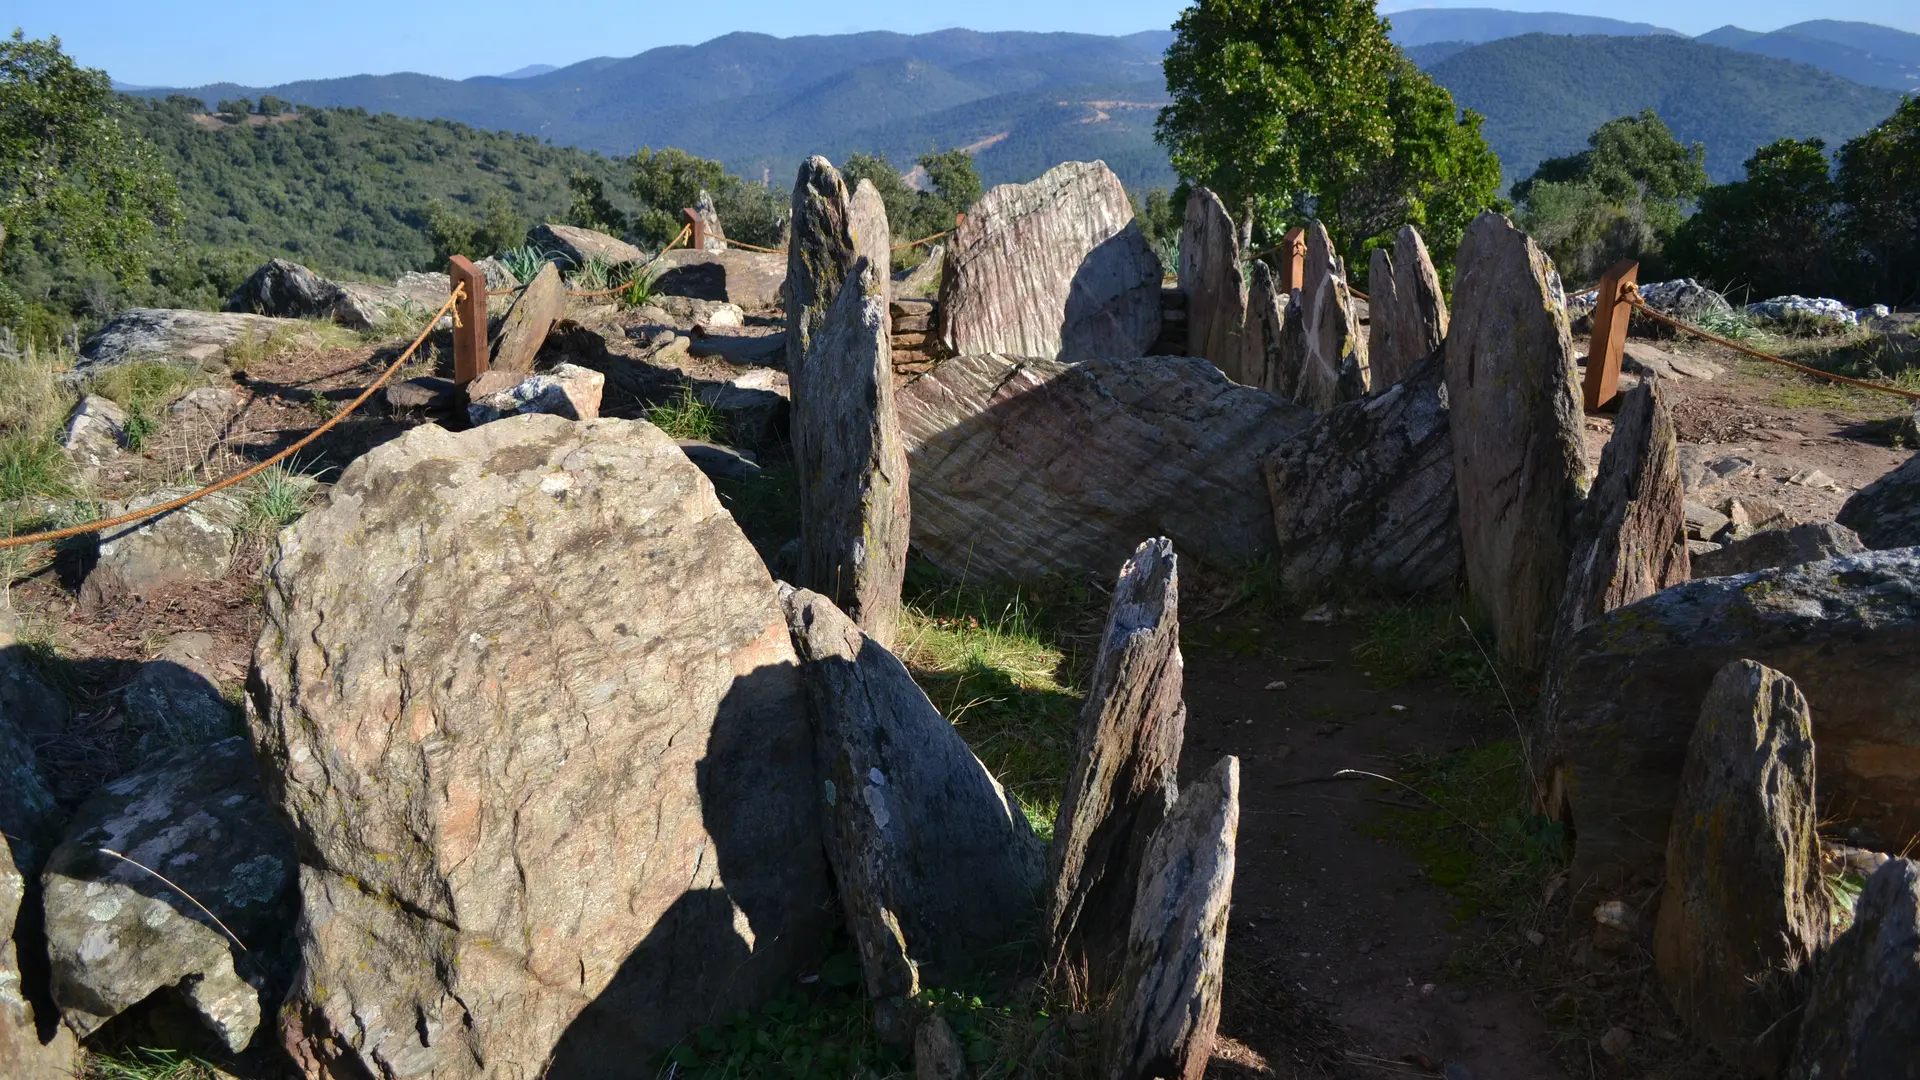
1519 465
872 235
527 322
286 290
1163 1021
193 543
96 430
1860 1023
1704 522
498 275
27 703
922 280
176 696
720 462
1024 469
28 815
192 339
1125 752
1617 727
1263 332
1745 906
1811 542
753 279
33 1044
567 390
1408 317
1053 269
580 246
424 394
819 255
1366 495
427 290
1295 370
936 865
936 1051
532 676
206 407
1886 513
1331 325
849 458
754 406
747 347
1216 292
116 934
709 215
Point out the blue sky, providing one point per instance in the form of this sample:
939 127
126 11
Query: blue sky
155 42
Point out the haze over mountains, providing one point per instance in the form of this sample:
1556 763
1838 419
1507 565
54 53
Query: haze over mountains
1024 101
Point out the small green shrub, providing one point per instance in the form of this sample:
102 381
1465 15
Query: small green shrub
526 261
274 501
687 417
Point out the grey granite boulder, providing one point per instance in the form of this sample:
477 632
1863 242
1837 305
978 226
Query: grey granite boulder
192 543
1886 513
578 246
200 340
96 431
1810 542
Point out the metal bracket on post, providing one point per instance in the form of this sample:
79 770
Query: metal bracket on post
1293 259
469 321
1611 313
698 241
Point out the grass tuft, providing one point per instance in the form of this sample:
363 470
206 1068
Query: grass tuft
34 403
274 500
1429 640
687 417
142 1063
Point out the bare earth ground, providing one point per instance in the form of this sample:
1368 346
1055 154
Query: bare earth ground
1355 949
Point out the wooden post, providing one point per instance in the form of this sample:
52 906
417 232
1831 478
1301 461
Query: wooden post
469 321
1293 259
1611 314
698 241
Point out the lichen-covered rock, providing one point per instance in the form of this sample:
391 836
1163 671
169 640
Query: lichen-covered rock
1366 495
567 390
175 697
753 279
527 697
1052 269
1809 542
1616 728
1126 750
755 406
1886 513
190 339
527 322
1745 906
1519 462
193 543
1027 468
819 254
937 867
1408 311
116 934
27 704
1860 1022
1215 289
28 814
96 430
872 234
1264 331
579 246
709 215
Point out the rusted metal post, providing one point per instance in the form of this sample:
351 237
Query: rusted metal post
469 321
698 241
1611 313
1293 259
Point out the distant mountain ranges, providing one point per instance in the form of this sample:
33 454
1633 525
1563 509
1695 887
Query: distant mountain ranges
1024 101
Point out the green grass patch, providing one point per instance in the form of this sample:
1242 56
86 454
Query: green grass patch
140 1063
143 389
274 500
1432 639
34 403
687 417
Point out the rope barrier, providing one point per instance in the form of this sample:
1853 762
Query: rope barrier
1630 292
896 247
685 231
459 293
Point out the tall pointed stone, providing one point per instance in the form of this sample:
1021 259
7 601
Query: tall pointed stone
1332 327
1860 1022
1408 310
1261 338
1518 460
820 251
1745 906
851 462
1216 291
1122 784
1163 1018
1382 301
872 234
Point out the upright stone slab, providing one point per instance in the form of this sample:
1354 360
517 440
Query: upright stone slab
1215 290
526 695
1745 906
1332 328
1366 494
872 234
1886 513
851 462
1519 464
1408 309
528 322
1052 269
709 215
1125 753
820 251
937 867
1162 1022
1860 1021
1265 328
1383 357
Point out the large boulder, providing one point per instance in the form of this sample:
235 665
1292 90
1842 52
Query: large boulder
1054 269
1886 513
1126 750
819 254
291 291
1216 291
158 876
1027 468
850 461
96 431
174 699
567 390
1366 495
1809 542
527 322
1519 462
34 1045
580 246
1860 1022
527 697
1407 310
1744 906
199 340
1616 728
193 543
937 867
755 280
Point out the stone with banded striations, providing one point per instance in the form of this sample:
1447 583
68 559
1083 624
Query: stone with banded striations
527 323
1216 291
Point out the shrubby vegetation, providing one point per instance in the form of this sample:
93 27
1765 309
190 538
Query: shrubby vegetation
912 214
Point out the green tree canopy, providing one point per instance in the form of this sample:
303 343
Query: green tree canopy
1773 231
590 208
1879 182
669 180
912 214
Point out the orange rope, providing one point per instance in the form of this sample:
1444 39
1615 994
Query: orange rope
896 247
755 247
1630 292
458 293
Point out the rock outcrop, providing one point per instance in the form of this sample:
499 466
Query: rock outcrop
288 290
819 254
1886 513
1810 542
527 323
936 865
1519 466
580 246
1216 292
1126 750
1023 469
1053 269
201 340
1745 906
117 934
1407 310
1366 495
1860 1023
96 431
532 676
193 543
755 280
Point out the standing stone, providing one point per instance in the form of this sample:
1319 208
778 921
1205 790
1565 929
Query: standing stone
1408 309
527 322
1260 338
1332 326
872 235
1383 354
1860 1021
116 934
1886 513
716 238
1162 1023
936 865
1296 371
1025 469
1519 464
819 254
1366 495
852 465
1745 906
1216 292
1122 784
526 695
1052 269
34 1045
